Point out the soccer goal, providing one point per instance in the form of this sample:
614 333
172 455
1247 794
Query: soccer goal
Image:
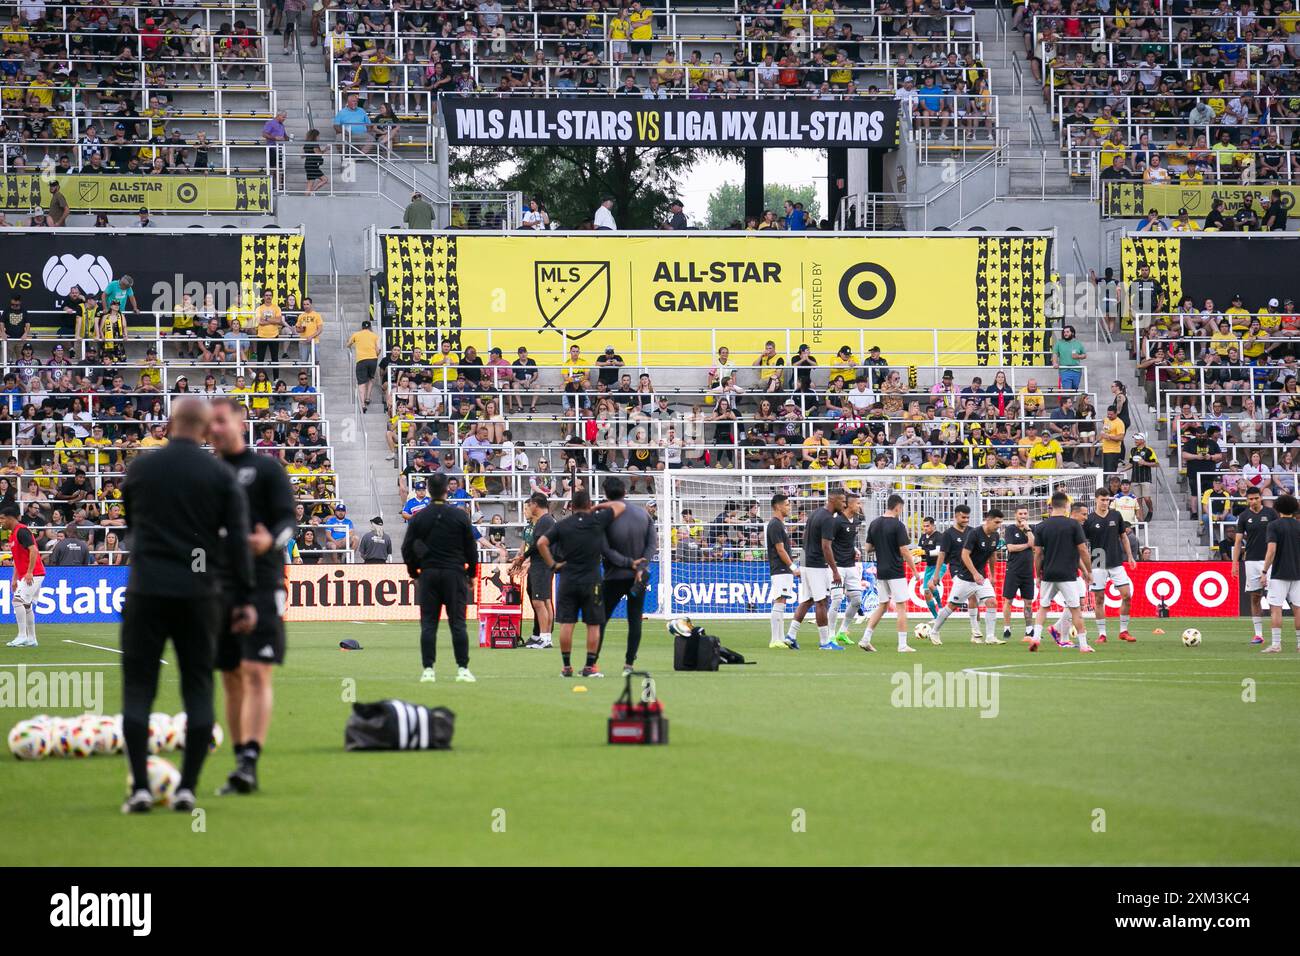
713 553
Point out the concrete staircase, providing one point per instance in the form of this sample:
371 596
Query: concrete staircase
1172 533
306 102
367 480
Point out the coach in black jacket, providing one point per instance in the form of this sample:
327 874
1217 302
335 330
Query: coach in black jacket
442 556
630 544
189 525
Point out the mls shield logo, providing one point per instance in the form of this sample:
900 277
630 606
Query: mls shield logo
88 191
572 297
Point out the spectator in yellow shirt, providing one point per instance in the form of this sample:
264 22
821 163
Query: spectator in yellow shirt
1045 452
577 369
365 350
270 320
1032 401
641 21
1112 441
310 325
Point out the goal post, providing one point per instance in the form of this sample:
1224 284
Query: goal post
712 548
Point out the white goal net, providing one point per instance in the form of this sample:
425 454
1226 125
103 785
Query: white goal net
713 552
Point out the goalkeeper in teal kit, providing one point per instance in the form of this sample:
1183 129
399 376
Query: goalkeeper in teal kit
928 544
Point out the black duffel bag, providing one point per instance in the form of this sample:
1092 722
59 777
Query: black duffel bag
398 725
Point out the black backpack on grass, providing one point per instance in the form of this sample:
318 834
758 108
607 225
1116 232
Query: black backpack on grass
398 725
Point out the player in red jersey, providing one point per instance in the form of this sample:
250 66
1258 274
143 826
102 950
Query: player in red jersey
29 572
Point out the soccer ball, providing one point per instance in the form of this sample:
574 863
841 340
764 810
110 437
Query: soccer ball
1191 637
923 631
162 733
54 727
77 738
109 734
28 740
181 723
164 779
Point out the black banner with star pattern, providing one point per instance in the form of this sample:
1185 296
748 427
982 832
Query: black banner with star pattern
1009 301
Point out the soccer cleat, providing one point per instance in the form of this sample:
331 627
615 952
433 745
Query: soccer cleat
243 779
905 650
934 639
536 644
994 640
1101 638
829 646
1126 636
843 638
592 671
1033 644
428 676
781 644
1085 649
792 642
463 676
183 801
1054 633
139 802
1272 649
1257 639
866 645
628 668
1006 634
566 672
976 639
22 642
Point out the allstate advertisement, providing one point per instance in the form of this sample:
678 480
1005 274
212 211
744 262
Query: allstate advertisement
72 596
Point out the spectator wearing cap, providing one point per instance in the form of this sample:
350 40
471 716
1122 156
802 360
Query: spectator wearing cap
375 546
142 219
607 367
944 391
677 218
59 208
365 348
1184 223
1216 505
418 213
604 216
525 372
1142 464
339 531
418 501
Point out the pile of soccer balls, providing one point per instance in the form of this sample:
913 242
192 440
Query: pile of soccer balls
45 736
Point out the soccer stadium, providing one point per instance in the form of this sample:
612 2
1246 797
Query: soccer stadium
898 399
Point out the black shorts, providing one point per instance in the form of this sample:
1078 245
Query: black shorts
579 598
541 583
366 369
1018 585
265 644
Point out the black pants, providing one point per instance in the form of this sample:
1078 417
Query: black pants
440 589
268 347
615 590
192 624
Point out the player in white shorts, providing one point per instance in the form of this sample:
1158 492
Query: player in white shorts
781 566
1251 540
1060 553
971 583
818 572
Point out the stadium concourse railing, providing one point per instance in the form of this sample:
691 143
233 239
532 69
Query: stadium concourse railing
552 359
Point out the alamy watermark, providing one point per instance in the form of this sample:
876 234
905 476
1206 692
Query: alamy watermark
977 690
39 688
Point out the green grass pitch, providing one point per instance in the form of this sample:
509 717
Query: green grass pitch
801 759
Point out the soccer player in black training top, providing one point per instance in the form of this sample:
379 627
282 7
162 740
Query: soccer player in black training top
189 524
1108 540
245 660
970 579
1060 553
1018 580
781 566
541 580
580 542
887 536
1281 572
950 544
928 543
848 557
1251 540
819 574
441 555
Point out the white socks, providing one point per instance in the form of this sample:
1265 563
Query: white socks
902 640
945 612
1258 623
23 615
990 624
778 620
793 632
823 633
1277 637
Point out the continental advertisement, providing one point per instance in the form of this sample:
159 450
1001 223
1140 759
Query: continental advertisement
1135 200
1216 266
668 299
111 193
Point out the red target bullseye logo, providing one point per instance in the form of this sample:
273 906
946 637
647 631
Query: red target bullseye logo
1210 589
1163 586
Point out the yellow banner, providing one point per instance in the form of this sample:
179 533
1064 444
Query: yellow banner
666 300
1135 200
127 194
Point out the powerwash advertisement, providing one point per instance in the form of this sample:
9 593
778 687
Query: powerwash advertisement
669 295
359 593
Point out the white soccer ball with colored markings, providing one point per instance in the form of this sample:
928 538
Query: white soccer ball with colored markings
77 738
1191 637
162 733
923 631
29 740
109 734
181 723
164 779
